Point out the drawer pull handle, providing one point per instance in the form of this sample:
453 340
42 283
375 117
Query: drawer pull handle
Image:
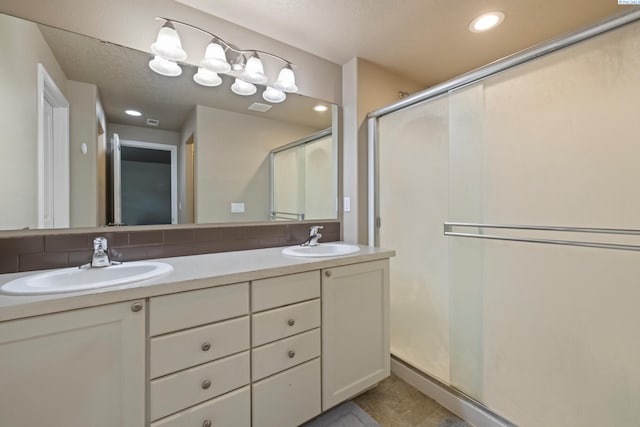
206 346
206 384
327 273
292 354
206 423
136 307
291 322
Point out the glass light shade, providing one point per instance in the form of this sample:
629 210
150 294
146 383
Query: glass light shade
165 67
254 71
286 80
168 44
206 77
239 63
215 59
273 95
243 88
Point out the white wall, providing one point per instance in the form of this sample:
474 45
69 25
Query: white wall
144 134
19 118
186 165
232 163
102 163
83 129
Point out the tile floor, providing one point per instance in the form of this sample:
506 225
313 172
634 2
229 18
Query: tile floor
395 403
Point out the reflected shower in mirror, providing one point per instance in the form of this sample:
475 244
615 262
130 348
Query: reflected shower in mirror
67 98
304 178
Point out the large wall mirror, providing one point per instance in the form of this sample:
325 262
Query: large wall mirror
72 157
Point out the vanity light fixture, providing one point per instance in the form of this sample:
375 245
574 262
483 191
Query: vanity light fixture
168 44
486 22
240 87
207 77
273 95
254 71
286 80
246 66
134 113
165 67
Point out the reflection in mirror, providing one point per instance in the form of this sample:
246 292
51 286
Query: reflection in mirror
60 164
303 179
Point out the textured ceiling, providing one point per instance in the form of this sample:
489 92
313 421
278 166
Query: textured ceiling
425 40
125 81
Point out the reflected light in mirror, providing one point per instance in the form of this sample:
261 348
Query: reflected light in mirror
320 108
209 127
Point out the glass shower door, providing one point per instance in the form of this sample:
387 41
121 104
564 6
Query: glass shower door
546 334
413 168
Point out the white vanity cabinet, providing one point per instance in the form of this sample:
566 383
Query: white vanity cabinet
75 369
199 363
286 349
270 351
355 329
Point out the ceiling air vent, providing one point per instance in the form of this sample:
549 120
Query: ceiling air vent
153 122
257 106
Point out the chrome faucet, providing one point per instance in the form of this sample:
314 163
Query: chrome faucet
314 236
100 256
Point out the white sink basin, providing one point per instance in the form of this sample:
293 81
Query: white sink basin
323 249
75 279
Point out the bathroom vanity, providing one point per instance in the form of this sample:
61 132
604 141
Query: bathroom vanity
248 338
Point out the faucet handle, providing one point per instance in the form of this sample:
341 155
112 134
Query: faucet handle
100 244
314 229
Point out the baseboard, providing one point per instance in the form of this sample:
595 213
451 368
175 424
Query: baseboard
457 403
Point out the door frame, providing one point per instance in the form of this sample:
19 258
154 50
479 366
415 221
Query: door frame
174 168
58 211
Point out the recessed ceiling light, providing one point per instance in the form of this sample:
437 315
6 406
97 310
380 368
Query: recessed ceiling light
134 113
486 22
320 108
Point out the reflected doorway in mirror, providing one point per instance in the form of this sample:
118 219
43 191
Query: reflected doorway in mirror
145 177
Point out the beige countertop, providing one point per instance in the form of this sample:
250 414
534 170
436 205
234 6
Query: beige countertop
189 273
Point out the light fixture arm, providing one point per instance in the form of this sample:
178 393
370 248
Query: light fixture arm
227 46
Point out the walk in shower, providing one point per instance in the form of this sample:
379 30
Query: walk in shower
512 198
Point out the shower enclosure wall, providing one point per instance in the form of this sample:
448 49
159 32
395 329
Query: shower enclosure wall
512 198
304 178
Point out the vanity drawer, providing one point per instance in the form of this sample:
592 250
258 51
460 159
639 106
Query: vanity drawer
286 321
283 290
230 410
174 312
180 350
283 354
174 392
289 398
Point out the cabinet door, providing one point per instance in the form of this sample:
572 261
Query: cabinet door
74 369
355 329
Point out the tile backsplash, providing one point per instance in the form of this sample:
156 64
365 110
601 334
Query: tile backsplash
27 253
